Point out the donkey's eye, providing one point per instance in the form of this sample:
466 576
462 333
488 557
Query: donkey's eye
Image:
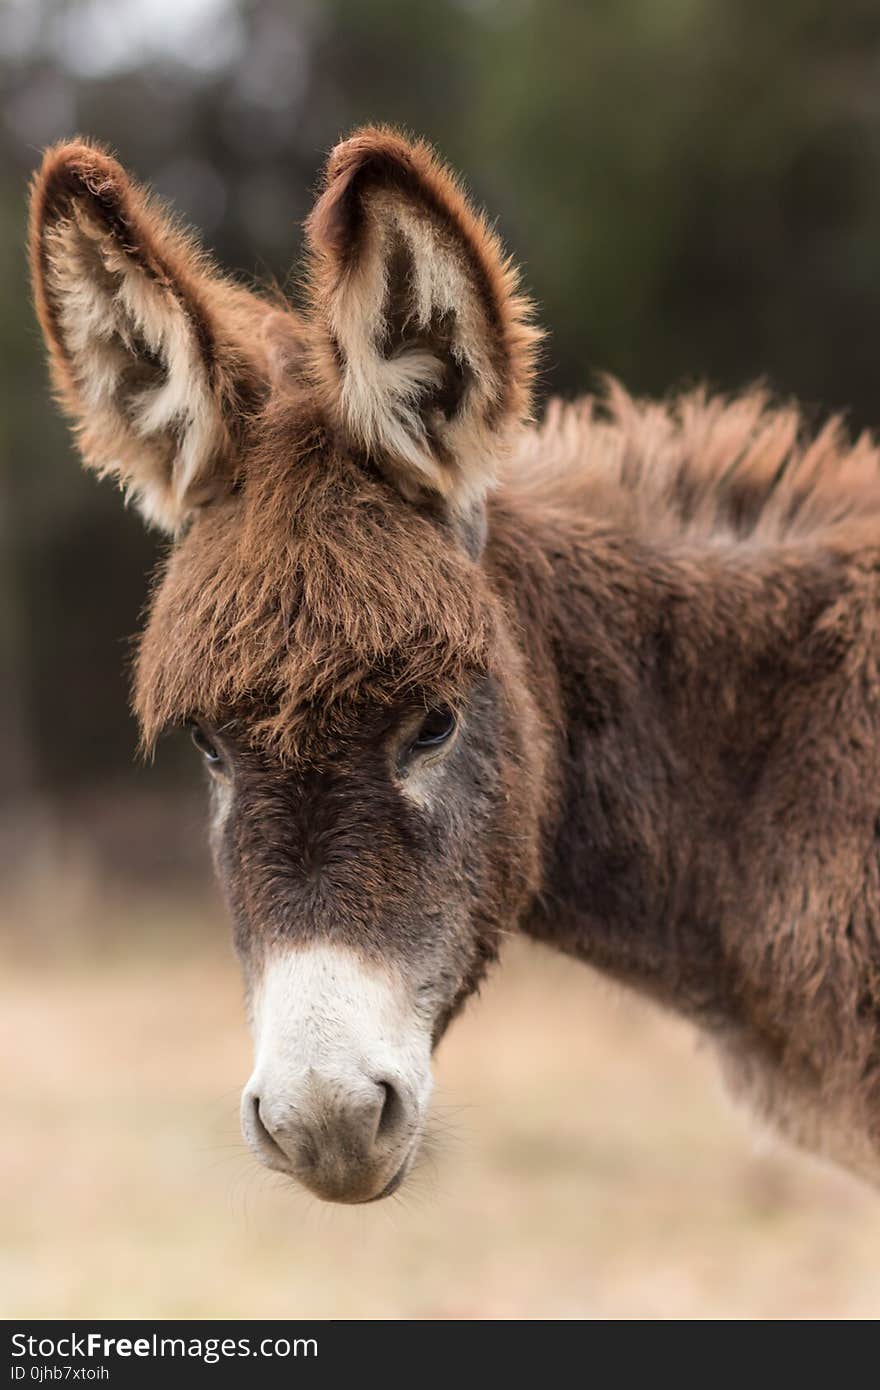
437 726
204 745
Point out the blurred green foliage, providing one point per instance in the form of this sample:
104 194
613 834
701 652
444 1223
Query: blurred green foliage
692 187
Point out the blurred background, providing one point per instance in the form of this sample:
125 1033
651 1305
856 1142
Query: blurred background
693 190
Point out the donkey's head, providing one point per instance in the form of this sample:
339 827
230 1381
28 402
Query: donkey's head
325 622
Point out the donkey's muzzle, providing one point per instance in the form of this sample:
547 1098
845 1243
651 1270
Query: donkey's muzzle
345 1139
342 1074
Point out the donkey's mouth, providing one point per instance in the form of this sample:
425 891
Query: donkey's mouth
354 1195
391 1187
354 1192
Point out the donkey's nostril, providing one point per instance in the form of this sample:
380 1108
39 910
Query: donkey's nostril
392 1111
263 1134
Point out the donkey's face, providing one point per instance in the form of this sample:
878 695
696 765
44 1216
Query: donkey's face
366 885
324 623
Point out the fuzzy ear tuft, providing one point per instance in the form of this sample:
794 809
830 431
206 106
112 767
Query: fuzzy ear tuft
142 333
425 350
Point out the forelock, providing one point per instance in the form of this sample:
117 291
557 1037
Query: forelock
314 587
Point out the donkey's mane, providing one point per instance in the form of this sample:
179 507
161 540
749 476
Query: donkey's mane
697 467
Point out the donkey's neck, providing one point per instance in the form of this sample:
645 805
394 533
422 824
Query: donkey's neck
681 684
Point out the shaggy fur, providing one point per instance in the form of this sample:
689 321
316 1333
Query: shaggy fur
697 467
659 629
311 590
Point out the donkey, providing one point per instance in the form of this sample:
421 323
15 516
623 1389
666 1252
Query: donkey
610 680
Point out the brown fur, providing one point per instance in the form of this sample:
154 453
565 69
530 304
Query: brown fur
660 632
698 467
310 589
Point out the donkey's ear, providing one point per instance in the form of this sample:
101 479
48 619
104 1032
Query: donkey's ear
144 336
424 348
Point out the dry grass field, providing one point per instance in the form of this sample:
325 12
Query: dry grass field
586 1162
